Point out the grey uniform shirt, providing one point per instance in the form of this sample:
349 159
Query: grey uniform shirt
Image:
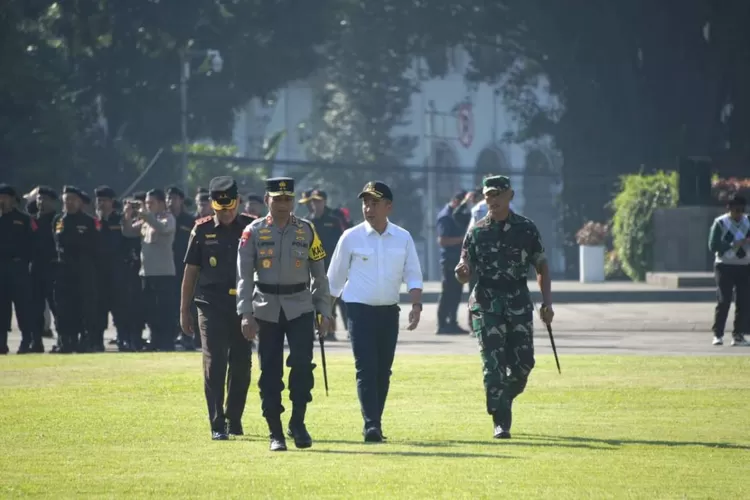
274 255
157 235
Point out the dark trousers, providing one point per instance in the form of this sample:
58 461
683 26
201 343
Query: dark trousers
75 297
450 298
15 290
111 298
158 294
130 325
299 334
224 347
732 280
42 293
374 333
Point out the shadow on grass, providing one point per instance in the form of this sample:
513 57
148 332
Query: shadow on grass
436 454
621 442
516 441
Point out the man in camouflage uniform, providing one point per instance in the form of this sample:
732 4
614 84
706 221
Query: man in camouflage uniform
498 251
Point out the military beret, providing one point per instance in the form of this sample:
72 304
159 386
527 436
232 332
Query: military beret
85 197
280 186
224 193
8 190
377 189
72 190
495 183
158 194
47 191
139 196
174 190
105 192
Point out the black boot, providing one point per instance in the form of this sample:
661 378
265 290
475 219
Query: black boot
277 440
297 429
503 419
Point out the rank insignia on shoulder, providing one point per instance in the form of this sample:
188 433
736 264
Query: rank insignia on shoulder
204 220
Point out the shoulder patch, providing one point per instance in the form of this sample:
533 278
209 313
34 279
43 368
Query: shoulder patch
316 251
203 220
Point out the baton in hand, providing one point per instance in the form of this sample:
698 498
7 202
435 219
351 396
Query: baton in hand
554 349
318 321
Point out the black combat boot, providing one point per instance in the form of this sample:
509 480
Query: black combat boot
297 429
503 418
277 440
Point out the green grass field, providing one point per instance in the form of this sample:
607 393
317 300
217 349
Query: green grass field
116 425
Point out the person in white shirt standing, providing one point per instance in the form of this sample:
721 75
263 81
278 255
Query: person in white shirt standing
369 264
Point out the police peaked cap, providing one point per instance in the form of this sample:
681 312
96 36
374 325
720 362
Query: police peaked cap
280 186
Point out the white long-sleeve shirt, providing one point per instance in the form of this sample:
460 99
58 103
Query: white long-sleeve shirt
369 268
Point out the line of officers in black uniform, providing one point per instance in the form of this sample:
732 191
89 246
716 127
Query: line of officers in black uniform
78 264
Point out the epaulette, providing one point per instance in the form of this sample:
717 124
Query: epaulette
249 216
204 220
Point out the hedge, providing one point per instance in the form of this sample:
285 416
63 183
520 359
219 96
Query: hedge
632 225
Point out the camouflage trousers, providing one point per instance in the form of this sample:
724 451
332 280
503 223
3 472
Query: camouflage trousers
506 345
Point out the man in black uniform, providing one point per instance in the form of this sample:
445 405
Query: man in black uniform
132 324
211 262
17 235
77 242
202 203
111 294
45 256
330 226
184 225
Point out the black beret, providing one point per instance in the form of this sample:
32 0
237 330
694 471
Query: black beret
85 197
224 193
280 186
72 190
105 192
377 189
47 191
158 194
174 190
9 190
139 195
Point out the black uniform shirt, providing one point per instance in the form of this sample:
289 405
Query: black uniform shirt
330 227
213 248
185 223
45 253
77 239
17 235
113 246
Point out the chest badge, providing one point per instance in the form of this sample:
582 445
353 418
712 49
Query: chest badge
298 264
266 263
212 261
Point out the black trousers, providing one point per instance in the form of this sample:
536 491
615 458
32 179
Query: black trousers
75 297
42 293
299 334
130 325
111 299
450 298
158 294
224 347
732 280
374 333
15 290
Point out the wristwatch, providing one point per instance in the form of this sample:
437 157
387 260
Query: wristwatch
418 305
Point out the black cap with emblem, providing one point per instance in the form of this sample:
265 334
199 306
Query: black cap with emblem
224 193
377 189
280 186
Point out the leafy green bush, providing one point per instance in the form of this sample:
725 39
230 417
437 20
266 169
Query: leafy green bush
639 197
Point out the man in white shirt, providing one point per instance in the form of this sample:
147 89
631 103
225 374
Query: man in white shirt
370 262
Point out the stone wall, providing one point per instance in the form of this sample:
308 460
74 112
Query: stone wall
681 238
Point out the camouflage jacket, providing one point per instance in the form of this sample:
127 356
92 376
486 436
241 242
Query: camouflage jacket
499 255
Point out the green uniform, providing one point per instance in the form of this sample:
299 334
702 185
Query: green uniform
499 255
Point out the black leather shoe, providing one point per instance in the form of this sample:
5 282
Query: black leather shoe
235 428
501 433
277 444
503 419
302 438
373 435
219 436
37 348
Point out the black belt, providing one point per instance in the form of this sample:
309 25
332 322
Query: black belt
281 289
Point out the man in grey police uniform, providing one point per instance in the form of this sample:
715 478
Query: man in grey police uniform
277 256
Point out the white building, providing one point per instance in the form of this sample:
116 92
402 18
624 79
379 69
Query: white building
459 127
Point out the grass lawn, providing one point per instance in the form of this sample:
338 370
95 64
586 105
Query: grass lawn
113 425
